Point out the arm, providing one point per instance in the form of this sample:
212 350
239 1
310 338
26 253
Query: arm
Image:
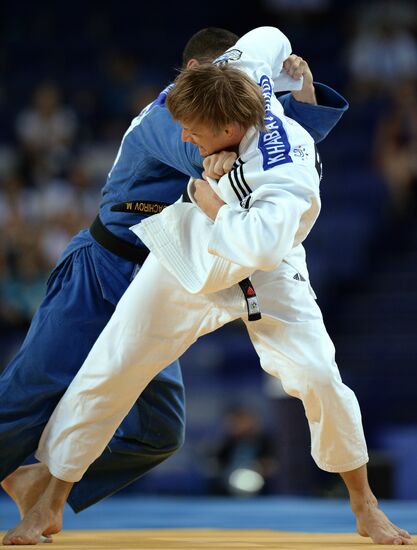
316 107
160 136
206 198
261 52
277 220
296 67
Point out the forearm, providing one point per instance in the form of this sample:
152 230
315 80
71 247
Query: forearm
258 238
306 95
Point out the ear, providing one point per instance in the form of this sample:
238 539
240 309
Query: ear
192 63
234 130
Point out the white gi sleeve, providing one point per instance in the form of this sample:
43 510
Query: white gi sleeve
279 218
263 52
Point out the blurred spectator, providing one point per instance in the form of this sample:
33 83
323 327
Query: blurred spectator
245 462
85 102
55 234
17 202
97 156
402 13
67 204
395 149
53 211
23 273
46 131
141 96
383 51
22 288
121 75
297 8
296 18
87 186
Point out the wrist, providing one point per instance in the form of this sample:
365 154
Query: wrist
306 95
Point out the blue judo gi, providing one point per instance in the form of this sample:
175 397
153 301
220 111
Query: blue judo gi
150 170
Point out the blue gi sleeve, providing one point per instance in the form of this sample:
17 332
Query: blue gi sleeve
319 120
161 138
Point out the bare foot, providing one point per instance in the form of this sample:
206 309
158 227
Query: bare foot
372 522
25 485
38 522
45 516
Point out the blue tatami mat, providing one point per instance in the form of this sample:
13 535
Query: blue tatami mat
277 513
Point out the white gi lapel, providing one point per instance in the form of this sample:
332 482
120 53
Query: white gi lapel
179 238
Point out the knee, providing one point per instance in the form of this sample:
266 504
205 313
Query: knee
173 438
297 379
317 382
322 393
321 377
167 435
166 400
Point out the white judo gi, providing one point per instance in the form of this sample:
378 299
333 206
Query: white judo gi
188 287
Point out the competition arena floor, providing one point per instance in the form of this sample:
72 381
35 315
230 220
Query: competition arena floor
163 523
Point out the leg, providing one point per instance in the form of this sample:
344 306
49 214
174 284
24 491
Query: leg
32 384
293 345
35 380
158 415
28 395
135 345
43 519
132 452
152 431
370 520
25 485
154 323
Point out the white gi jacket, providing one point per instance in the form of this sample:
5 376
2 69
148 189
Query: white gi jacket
272 193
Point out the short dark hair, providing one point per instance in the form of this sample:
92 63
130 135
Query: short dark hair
207 44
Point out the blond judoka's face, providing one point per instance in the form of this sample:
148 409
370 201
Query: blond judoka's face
211 141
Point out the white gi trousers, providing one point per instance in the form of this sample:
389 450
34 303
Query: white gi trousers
157 320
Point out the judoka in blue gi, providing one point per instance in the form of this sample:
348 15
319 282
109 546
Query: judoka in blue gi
150 171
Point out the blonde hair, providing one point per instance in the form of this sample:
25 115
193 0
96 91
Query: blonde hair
216 95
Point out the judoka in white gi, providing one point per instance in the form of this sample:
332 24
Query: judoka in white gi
249 223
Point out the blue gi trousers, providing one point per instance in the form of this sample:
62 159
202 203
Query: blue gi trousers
82 293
